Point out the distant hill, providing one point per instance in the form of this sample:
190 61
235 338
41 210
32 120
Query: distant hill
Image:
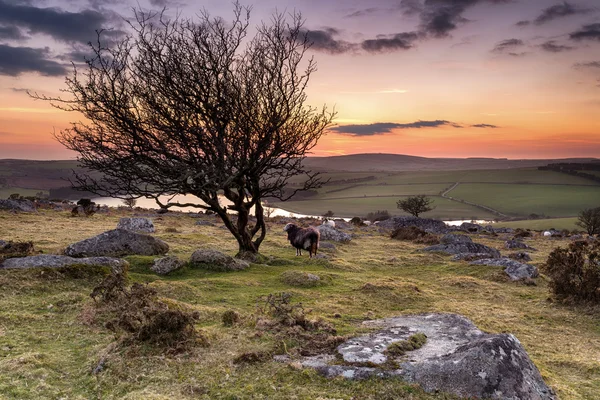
398 162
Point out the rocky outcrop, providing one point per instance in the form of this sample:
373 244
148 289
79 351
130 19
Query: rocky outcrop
214 260
22 205
514 269
56 261
329 233
457 358
453 238
166 265
117 243
464 248
136 224
426 224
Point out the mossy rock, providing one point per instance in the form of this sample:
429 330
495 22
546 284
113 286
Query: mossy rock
302 279
400 347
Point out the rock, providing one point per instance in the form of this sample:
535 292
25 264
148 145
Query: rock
214 260
464 247
55 261
329 233
453 238
300 278
576 237
426 224
457 358
514 269
503 230
517 244
326 245
202 222
3 244
470 256
23 205
136 224
166 265
470 227
117 243
520 256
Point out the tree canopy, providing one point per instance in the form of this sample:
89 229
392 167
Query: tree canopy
184 106
415 205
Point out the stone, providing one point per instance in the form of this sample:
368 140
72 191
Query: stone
326 245
470 256
56 261
3 244
117 243
202 222
214 260
300 278
462 248
457 358
520 256
23 205
166 265
426 224
452 238
329 233
470 227
517 244
514 269
136 224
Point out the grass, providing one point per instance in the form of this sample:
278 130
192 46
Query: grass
48 345
542 224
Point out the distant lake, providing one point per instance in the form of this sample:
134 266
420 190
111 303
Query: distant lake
277 212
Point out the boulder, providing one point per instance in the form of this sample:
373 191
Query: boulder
55 261
326 245
457 358
214 260
470 256
470 227
426 224
136 224
517 244
329 233
23 205
117 243
514 269
166 265
520 256
453 238
464 248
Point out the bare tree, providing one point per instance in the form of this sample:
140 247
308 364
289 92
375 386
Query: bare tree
194 107
416 205
589 219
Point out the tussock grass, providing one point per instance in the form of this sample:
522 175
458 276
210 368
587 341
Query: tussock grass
50 345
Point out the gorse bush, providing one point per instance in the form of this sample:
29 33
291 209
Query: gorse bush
575 272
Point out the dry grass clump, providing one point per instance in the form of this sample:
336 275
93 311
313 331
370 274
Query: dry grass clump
415 235
230 318
295 333
400 347
575 272
136 314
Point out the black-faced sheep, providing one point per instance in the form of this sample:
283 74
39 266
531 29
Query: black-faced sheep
303 239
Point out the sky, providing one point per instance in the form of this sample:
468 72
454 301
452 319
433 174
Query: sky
434 78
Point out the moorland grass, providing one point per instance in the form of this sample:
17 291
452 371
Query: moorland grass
50 343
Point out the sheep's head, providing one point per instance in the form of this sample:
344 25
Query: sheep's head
289 227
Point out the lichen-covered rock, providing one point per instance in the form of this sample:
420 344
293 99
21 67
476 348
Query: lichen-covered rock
452 238
426 224
329 233
514 269
117 243
471 227
517 244
56 261
214 260
457 358
464 248
136 224
470 256
166 265
23 205
520 256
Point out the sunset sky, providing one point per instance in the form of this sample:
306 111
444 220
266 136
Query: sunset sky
434 78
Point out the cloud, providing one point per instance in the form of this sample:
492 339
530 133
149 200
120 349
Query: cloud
508 45
591 32
362 13
323 40
19 90
558 11
591 64
11 33
15 61
485 126
410 7
64 26
521 24
399 41
551 47
380 128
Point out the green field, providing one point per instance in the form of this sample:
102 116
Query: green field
542 224
5 192
382 190
551 200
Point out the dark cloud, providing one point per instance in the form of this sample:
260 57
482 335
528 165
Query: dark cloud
399 41
485 126
381 128
323 40
587 32
64 26
508 45
591 64
551 47
362 13
159 3
523 23
411 7
558 11
15 61
11 33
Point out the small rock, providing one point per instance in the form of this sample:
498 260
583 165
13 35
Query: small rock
117 243
516 244
214 260
520 256
514 269
470 227
136 224
326 245
329 233
166 265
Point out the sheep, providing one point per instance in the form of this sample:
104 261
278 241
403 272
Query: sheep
303 238
328 222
